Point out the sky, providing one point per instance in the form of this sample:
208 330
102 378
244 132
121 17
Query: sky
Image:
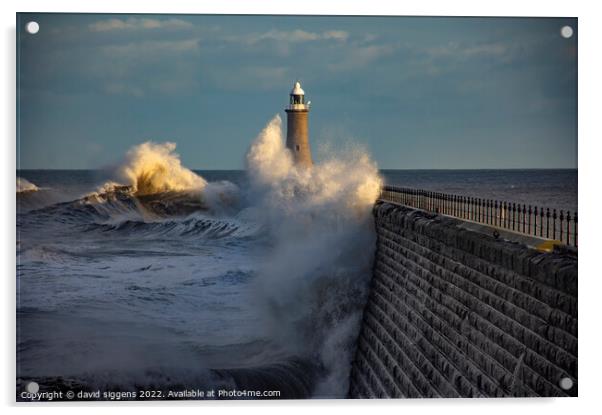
415 92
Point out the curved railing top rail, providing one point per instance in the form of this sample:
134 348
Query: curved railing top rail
543 222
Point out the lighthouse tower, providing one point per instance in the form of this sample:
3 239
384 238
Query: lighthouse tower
297 138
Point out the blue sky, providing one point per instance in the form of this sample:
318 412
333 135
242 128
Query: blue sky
416 92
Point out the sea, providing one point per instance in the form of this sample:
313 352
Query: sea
171 291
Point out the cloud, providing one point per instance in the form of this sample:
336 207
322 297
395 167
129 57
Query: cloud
501 51
291 36
469 50
135 68
150 49
135 23
336 35
361 56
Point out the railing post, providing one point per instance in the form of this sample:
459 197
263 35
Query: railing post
455 208
487 211
445 201
416 199
485 208
554 224
547 222
513 214
470 208
575 230
432 202
529 223
502 214
568 227
524 220
560 227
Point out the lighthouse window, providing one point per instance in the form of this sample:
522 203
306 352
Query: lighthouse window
297 99
297 147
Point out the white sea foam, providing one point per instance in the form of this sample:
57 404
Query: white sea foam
156 168
288 273
24 185
314 281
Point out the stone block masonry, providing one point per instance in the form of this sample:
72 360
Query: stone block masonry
454 312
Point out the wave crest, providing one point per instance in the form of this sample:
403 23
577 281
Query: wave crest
155 168
315 284
24 185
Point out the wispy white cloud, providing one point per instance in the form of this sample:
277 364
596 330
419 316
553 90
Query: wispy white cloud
360 56
291 36
502 51
158 48
336 35
135 23
124 68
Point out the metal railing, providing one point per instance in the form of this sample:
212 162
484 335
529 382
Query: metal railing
530 220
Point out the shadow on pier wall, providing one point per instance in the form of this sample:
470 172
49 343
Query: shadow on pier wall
458 313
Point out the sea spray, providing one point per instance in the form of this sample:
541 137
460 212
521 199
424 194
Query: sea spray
154 168
266 296
313 283
24 185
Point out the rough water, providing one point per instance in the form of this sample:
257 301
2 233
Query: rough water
152 276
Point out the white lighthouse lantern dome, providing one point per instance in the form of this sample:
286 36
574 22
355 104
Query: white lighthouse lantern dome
297 90
297 99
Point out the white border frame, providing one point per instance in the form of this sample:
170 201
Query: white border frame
590 136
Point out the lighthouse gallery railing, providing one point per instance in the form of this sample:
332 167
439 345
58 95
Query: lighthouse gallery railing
517 217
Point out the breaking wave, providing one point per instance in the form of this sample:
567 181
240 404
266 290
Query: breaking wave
315 283
197 225
310 237
155 168
24 186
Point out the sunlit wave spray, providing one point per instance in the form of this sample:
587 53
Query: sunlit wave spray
314 281
154 171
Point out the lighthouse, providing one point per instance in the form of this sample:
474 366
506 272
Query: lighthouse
297 137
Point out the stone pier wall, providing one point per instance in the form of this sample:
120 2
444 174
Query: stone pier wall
456 312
